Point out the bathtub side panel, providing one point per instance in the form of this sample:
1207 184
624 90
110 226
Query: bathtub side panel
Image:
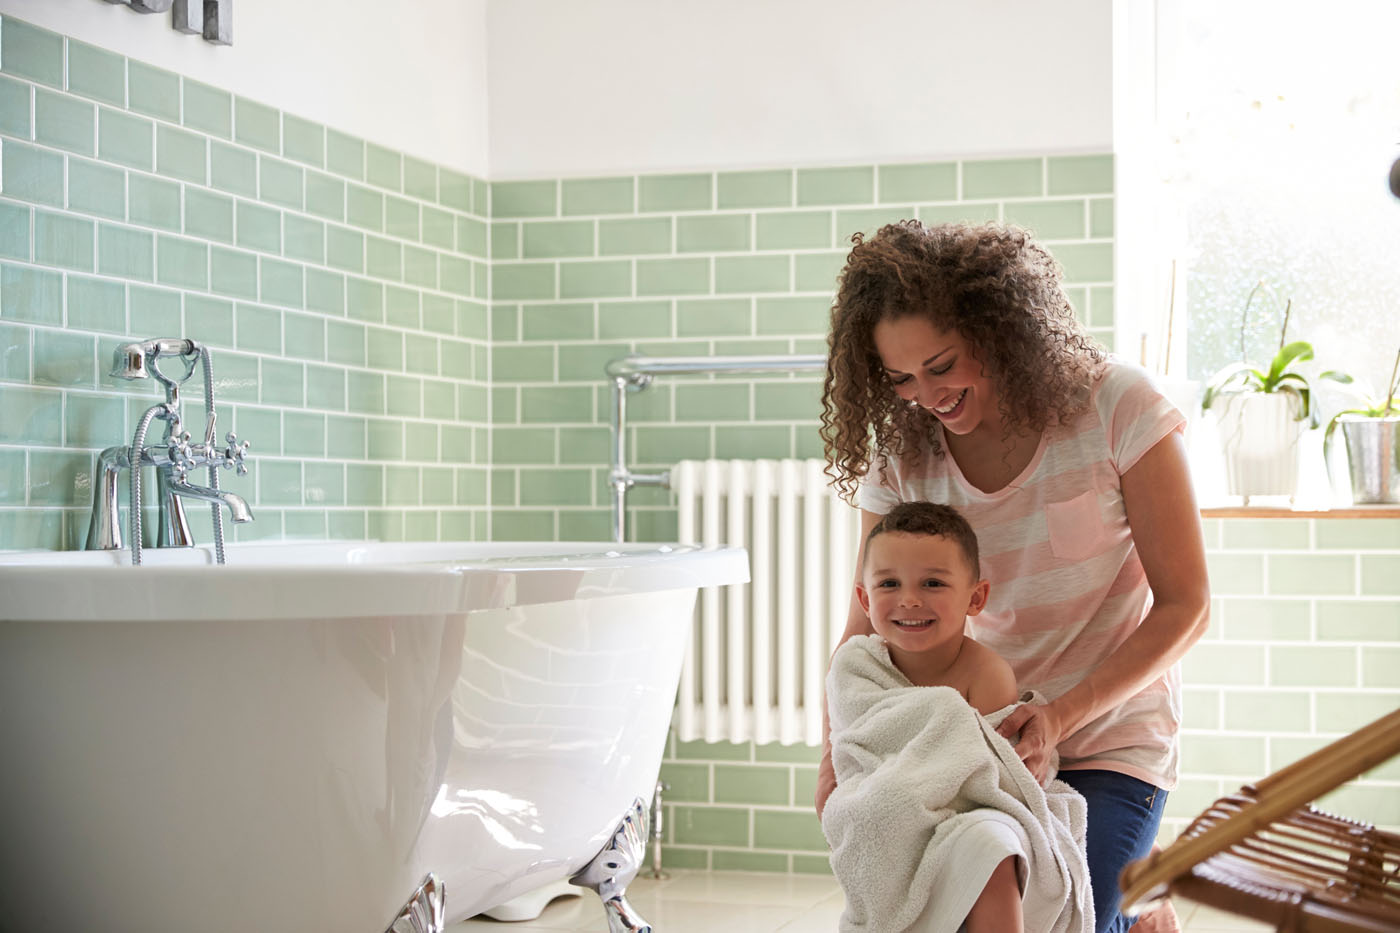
292 775
560 719
221 776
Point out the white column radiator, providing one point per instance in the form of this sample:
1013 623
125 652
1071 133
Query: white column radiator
757 664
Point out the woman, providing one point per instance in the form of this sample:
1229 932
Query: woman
958 373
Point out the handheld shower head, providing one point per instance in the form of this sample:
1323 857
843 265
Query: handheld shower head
129 361
136 360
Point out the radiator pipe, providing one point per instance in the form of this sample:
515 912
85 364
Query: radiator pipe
620 478
634 373
657 831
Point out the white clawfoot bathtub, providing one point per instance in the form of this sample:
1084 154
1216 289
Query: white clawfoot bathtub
295 740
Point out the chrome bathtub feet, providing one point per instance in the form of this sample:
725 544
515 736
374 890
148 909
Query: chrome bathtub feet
614 868
425 911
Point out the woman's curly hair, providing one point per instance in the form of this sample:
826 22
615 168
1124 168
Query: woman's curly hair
993 285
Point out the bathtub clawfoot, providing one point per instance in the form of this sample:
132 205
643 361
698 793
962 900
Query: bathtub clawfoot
614 868
622 918
425 911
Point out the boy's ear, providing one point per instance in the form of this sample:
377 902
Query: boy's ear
980 592
864 597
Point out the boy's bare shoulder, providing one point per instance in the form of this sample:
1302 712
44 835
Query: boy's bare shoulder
992 683
983 660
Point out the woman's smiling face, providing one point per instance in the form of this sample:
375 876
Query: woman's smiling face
936 370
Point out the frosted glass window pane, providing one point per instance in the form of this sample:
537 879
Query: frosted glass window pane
1281 122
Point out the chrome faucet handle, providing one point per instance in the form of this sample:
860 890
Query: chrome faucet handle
183 457
234 454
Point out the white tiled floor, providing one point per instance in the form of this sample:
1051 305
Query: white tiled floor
752 902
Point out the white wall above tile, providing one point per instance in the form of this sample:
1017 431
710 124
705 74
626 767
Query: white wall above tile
411 77
612 86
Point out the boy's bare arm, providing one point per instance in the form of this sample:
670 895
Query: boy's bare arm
993 683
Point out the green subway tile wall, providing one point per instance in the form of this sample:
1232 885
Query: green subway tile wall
1302 648
341 287
728 262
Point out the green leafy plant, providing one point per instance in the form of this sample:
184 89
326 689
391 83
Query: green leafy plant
1372 407
1280 376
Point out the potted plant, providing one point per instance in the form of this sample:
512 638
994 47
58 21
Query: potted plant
1371 431
1263 412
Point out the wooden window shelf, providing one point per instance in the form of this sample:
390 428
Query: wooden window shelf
1264 511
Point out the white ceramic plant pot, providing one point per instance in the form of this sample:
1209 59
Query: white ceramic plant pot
1259 434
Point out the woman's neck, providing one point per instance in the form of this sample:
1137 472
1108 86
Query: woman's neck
990 460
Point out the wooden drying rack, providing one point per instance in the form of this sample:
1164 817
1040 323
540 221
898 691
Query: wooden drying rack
1264 852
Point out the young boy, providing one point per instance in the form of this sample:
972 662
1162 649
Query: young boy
919 583
926 789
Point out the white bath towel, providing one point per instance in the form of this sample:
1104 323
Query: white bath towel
929 800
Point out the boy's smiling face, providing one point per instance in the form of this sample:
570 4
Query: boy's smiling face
918 589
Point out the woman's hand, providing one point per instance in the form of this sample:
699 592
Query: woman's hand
1041 730
826 782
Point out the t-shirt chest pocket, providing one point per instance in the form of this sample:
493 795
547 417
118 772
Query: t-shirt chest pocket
1075 526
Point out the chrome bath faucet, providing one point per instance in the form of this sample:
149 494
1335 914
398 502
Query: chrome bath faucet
173 457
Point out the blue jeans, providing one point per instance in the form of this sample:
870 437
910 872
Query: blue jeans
1124 814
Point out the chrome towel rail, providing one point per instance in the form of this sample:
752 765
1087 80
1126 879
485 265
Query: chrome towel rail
634 373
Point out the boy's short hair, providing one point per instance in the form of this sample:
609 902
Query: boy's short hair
929 518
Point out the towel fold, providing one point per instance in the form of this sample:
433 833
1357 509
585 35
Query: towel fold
929 800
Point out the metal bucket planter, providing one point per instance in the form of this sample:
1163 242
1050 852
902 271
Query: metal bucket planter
1373 455
1259 434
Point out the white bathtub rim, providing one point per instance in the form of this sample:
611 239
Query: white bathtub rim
331 580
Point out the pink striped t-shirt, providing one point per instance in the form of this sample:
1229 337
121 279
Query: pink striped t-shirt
1067 585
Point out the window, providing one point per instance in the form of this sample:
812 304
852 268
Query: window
1276 127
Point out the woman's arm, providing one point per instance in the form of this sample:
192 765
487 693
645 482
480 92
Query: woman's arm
1166 527
857 623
